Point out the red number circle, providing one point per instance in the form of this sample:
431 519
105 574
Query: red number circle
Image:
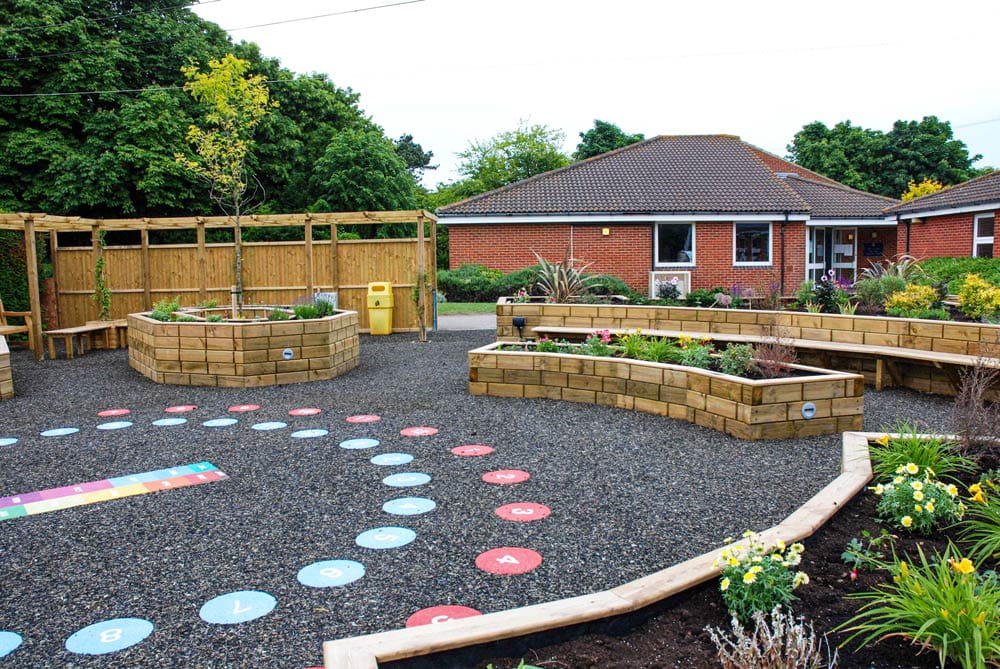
440 614
523 512
506 476
508 560
472 450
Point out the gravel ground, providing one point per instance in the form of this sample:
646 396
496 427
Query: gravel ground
630 493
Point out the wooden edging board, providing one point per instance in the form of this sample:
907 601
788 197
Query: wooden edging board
365 652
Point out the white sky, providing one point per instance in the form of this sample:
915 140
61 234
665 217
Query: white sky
451 71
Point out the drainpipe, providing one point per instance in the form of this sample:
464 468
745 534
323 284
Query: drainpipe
781 281
907 233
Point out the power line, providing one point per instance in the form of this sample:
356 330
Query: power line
58 54
117 90
969 125
106 18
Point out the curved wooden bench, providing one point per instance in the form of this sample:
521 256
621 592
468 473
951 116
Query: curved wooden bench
885 356
6 377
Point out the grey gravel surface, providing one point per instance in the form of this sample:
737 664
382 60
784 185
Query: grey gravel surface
630 493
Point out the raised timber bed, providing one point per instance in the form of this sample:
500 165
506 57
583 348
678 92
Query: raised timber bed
243 354
6 377
815 401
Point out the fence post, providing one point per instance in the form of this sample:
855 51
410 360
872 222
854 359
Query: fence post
31 260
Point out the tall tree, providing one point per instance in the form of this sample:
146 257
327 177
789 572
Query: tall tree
513 155
235 105
361 170
885 163
417 160
603 137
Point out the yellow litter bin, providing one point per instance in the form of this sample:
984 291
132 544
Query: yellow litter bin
380 307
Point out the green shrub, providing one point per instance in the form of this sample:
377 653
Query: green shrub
694 353
889 453
546 345
927 314
703 297
305 311
158 315
954 270
943 604
892 284
871 293
597 344
167 306
737 360
604 284
278 315
184 318
470 283
659 349
757 577
913 299
213 318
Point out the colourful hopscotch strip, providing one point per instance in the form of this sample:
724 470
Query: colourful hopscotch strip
92 492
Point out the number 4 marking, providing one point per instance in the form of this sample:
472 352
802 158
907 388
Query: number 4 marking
508 559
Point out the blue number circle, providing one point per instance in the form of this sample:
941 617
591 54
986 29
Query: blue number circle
169 422
385 537
109 636
357 444
406 479
220 422
390 459
310 434
331 573
409 506
237 607
9 642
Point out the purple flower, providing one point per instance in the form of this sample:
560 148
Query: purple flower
723 299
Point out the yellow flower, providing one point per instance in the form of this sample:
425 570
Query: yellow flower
756 569
780 545
906 521
725 584
974 488
879 489
930 506
883 440
917 495
798 548
916 485
748 533
979 497
980 619
749 577
897 480
963 566
951 489
918 508
733 562
945 614
911 468
801 578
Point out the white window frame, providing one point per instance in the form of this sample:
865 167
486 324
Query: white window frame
656 245
977 240
770 246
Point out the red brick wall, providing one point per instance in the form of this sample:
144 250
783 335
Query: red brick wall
626 252
884 236
714 259
938 236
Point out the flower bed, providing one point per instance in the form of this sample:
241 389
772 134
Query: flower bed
243 354
744 408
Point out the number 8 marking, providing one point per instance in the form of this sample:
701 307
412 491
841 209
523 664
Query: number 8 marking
111 635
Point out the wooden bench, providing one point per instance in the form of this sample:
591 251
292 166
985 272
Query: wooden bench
7 329
6 375
885 356
79 333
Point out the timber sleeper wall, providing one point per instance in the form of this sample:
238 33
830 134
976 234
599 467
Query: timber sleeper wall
744 408
243 355
6 375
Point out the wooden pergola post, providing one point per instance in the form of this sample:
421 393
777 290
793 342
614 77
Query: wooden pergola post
147 279
31 260
334 266
422 275
202 261
310 279
95 241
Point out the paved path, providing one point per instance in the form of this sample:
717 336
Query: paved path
467 322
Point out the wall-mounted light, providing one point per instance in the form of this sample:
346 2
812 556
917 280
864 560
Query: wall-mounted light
605 232
519 324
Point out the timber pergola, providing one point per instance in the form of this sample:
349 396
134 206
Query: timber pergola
33 224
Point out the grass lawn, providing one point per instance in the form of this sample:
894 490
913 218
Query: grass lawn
449 308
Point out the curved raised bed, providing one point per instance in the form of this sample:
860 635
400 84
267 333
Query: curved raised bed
852 332
243 354
815 401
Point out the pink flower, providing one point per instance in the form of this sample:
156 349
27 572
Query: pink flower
824 279
673 281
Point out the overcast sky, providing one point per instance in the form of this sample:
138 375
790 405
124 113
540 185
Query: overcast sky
451 71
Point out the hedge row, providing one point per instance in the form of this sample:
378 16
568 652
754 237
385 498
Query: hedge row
475 283
953 270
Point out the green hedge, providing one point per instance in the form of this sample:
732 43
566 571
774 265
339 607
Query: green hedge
953 270
475 283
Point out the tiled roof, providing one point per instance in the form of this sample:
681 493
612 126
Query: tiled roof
665 174
838 201
975 191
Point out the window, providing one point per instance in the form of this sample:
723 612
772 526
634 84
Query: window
751 243
983 236
674 244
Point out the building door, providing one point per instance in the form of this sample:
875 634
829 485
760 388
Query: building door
816 262
844 253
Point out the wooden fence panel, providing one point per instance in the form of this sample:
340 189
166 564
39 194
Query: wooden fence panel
274 273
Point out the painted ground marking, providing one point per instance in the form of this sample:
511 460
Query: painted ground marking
409 506
109 636
331 573
508 560
506 476
436 615
385 537
407 479
472 450
237 607
523 512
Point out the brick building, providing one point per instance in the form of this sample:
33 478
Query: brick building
709 209
956 221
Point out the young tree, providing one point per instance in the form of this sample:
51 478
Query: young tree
236 104
513 155
603 137
417 160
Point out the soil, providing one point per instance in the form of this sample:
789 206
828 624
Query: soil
672 633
